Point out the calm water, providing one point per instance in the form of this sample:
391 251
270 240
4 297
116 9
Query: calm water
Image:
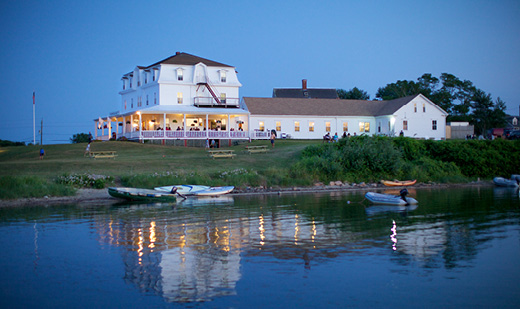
458 248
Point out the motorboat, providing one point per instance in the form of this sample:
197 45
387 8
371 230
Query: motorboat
504 182
388 199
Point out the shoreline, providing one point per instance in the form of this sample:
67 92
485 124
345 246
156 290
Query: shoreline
92 197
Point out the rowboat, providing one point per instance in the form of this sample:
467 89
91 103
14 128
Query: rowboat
136 194
503 182
196 190
388 199
398 183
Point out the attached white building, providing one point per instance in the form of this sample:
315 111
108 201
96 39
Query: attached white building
180 97
301 118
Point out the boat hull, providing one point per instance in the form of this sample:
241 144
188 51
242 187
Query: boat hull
503 182
387 199
398 183
136 194
194 190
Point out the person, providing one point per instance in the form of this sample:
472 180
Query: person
336 137
89 137
344 134
207 143
327 137
273 137
212 143
42 153
87 150
401 133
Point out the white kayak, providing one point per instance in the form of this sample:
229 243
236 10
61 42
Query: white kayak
503 182
197 190
388 199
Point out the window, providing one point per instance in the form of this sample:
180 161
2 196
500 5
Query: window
223 98
261 126
125 104
345 126
415 107
155 98
278 126
132 103
424 107
223 76
296 126
146 99
179 97
364 127
311 126
180 75
379 127
130 83
327 126
146 77
405 125
434 124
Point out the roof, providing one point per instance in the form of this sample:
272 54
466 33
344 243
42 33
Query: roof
188 59
311 93
324 107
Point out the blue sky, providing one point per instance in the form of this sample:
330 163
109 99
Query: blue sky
73 54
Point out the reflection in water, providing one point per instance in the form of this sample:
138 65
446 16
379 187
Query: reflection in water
201 250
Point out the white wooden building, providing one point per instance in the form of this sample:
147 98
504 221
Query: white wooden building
181 97
302 118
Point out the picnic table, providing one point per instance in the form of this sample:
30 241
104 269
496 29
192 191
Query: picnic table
103 154
221 153
257 149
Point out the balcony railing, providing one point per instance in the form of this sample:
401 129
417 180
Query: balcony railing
210 102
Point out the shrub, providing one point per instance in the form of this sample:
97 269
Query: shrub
84 180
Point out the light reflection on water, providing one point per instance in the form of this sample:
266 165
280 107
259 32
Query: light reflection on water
266 250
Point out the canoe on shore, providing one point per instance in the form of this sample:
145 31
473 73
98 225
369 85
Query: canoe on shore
190 190
136 194
398 183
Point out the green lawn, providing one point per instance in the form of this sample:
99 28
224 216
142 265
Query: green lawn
135 158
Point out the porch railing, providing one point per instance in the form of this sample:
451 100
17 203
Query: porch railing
213 134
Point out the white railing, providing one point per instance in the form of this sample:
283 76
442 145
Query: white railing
180 134
210 101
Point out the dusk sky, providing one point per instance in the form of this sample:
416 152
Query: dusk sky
73 54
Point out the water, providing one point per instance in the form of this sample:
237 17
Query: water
459 248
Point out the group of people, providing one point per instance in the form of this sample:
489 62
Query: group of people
330 138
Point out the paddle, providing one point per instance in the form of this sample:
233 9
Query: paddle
174 190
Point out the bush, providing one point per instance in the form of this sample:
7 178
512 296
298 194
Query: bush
85 180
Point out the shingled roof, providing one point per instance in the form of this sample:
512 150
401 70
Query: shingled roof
311 93
323 107
188 59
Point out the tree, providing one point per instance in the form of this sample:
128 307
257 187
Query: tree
353 94
80 138
402 88
483 108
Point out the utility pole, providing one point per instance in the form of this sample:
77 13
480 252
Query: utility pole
41 133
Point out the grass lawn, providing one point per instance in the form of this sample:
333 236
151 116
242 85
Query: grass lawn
134 158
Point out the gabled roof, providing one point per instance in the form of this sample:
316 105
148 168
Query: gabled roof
311 93
324 107
188 59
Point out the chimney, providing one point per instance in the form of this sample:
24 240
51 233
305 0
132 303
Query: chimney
304 84
177 53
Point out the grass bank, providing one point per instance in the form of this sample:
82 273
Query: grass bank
290 163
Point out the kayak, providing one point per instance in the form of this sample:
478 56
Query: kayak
196 190
388 199
397 183
503 182
136 194
183 189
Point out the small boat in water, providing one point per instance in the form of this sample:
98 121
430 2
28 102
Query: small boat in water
504 182
190 190
388 199
398 183
137 194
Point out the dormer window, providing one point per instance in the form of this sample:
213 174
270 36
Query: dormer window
180 75
223 76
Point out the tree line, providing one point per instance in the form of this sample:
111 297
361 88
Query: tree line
461 99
